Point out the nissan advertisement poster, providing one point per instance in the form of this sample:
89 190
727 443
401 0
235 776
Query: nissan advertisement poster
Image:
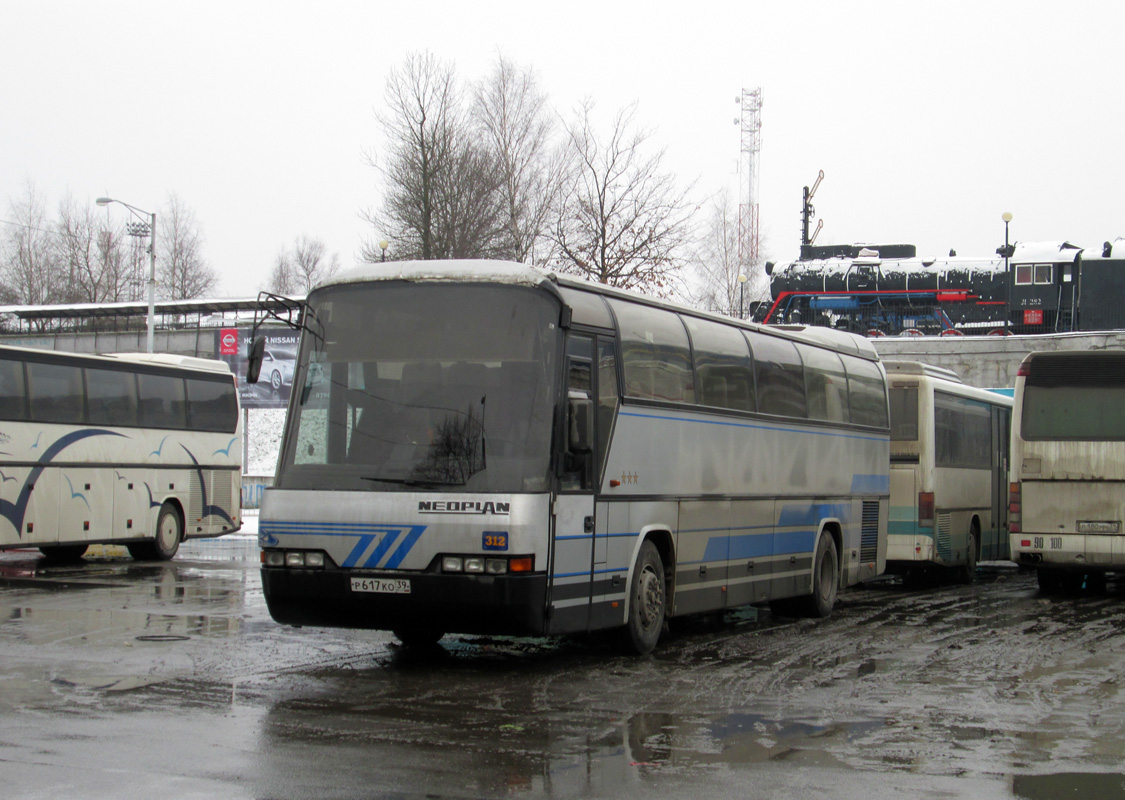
275 381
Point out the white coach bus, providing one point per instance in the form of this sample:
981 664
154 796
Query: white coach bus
140 450
949 472
483 447
1068 467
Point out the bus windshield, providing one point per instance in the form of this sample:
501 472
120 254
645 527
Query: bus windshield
417 387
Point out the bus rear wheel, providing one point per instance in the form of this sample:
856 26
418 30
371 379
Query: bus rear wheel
969 568
647 599
165 543
418 637
826 579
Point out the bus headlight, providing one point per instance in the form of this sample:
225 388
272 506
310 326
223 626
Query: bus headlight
273 558
496 566
474 565
451 564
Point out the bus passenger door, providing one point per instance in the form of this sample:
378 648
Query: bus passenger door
574 525
997 546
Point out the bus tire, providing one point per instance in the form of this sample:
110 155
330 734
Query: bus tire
969 568
63 553
647 599
418 637
166 539
826 579
1049 580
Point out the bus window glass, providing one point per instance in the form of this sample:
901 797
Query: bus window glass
56 392
779 377
904 414
212 405
111 396
866 392
654 353
162 401
607 393
1024 274
1044 273
962 432
1090 412
13 392
825 383
723 365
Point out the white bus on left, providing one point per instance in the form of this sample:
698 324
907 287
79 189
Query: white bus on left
140 450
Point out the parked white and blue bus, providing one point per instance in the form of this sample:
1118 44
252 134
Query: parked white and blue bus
483 447
140 450
1067 492
949 472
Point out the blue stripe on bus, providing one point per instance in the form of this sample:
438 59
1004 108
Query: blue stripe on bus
871 484
364 533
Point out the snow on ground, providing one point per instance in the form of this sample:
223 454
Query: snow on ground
264 440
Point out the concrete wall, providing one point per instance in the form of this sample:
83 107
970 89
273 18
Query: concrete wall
988 362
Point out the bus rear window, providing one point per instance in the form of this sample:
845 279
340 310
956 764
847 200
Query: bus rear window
904 414
1086 413
1075 396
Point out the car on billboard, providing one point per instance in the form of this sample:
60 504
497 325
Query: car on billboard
277 364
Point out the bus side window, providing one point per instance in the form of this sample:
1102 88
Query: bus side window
13 391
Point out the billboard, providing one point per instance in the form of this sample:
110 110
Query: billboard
275 382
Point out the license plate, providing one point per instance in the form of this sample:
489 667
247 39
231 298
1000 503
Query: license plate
381 585
1099 526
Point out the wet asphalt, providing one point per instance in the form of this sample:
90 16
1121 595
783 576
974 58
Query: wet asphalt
126 679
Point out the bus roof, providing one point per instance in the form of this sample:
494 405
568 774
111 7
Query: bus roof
918 368
492 271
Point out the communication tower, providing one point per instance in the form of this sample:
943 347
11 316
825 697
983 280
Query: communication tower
748 228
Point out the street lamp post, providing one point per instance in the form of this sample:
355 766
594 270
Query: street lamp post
151 224
1006 251
383 245
741 289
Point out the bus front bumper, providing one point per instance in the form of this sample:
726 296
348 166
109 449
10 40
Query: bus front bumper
476 604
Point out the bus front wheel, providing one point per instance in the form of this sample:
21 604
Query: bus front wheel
63 553
647 598
169 532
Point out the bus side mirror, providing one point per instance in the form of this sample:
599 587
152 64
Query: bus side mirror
580 425
254 361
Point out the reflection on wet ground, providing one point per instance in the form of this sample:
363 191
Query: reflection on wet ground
984 690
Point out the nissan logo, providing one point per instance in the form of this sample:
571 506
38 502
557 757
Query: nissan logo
230 339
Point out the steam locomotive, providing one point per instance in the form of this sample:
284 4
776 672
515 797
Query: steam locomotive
1033 287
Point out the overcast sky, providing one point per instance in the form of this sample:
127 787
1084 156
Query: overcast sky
929 120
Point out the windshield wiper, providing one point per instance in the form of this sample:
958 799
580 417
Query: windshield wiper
411 481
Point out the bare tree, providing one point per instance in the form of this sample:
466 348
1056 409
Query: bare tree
622 222
30 263
182 274
102 265
513 117
716 286
441 188
298 270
